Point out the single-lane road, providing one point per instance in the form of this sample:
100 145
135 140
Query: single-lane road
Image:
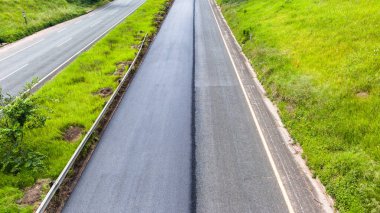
143 160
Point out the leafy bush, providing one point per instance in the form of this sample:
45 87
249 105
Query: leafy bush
19 114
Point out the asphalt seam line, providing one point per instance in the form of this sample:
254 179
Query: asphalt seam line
193 207
263 140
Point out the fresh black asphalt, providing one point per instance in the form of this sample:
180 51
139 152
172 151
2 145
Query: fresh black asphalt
233 171
143 161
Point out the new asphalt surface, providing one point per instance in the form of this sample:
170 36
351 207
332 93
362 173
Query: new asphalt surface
143 160
236 136
234 174
45 53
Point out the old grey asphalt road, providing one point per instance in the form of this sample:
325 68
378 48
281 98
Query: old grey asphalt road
45 53
192 90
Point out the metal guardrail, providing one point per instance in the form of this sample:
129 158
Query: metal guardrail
73 158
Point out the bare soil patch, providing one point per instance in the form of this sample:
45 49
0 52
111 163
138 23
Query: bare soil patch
120 67
72 133
290 109
105 92
362 94
32 194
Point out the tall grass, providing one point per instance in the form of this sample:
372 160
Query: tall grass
40 15
320 63
71 99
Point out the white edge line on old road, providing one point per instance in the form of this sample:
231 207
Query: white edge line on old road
13 72
89 44
63 42
96 23
95 12
61 30
21 50
263 140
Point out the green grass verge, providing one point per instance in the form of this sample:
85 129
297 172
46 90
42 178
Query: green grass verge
40 15
71 99
320 63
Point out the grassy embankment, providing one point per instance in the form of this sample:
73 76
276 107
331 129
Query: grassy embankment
320 63
40 15
71 99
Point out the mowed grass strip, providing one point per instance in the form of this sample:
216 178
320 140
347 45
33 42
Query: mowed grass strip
40 15
74 98
320 63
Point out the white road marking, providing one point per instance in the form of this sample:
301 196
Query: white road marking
105 7
13 72
63 42
96 23
113 12
63 29
21 50
95 12
78 22
263 140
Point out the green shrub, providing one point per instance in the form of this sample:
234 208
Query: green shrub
18 115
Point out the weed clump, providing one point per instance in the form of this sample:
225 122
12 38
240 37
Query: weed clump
17 116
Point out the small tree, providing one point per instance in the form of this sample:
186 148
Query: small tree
18 115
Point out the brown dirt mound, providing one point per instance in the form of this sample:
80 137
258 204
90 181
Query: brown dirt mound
72 133
362 94
120 67
136 46
33 194
105 92
290 108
